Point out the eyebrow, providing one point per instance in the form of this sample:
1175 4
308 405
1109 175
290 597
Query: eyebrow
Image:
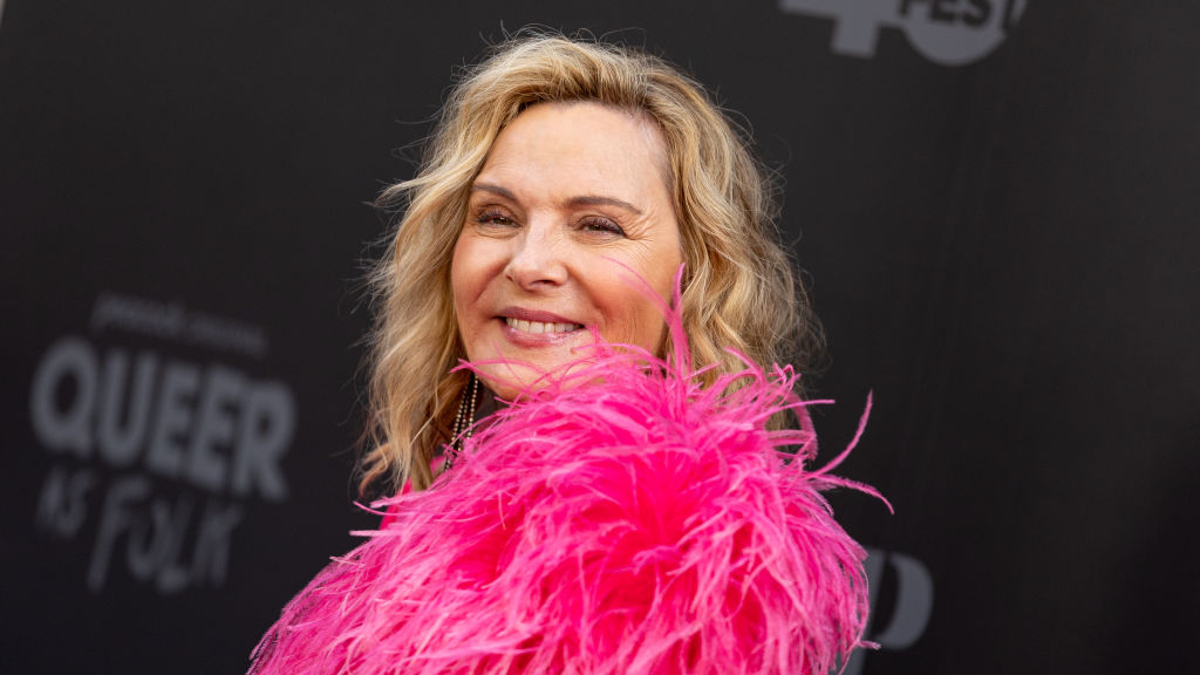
582 200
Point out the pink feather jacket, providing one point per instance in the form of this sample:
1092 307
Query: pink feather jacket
625 521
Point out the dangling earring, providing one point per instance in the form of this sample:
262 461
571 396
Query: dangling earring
463 421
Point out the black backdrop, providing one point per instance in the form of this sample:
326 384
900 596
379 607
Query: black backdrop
995 201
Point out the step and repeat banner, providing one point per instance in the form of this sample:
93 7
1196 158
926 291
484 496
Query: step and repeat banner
994 202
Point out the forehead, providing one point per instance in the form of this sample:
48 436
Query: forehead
585 143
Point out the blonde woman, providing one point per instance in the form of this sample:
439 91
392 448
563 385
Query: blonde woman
634 518
739 291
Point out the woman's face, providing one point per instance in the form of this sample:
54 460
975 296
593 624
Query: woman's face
570 193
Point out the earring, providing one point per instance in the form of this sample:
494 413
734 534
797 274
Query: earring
463 421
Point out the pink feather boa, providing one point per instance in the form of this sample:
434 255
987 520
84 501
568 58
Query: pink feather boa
623 519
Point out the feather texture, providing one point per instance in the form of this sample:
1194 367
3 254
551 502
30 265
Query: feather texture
620 519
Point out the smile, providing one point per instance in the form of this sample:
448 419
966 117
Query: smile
540 327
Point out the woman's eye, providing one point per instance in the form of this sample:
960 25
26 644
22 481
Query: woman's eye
494 218
601 225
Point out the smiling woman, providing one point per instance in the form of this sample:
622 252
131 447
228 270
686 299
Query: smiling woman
629 507
639 167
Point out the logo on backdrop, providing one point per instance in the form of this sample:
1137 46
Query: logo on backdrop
949 32
156 456
909 587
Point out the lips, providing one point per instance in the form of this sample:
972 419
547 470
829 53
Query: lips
534 322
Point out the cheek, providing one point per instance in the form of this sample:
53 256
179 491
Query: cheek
637 319
661 277
660 266
464 280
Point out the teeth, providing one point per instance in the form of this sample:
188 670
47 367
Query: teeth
539 327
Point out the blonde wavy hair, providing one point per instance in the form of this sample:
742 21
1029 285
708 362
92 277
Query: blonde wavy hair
740 290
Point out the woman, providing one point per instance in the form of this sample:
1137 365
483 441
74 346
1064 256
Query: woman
739 288
628 513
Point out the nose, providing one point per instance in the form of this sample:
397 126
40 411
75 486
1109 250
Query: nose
538 260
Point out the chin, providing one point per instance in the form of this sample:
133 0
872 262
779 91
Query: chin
510 379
